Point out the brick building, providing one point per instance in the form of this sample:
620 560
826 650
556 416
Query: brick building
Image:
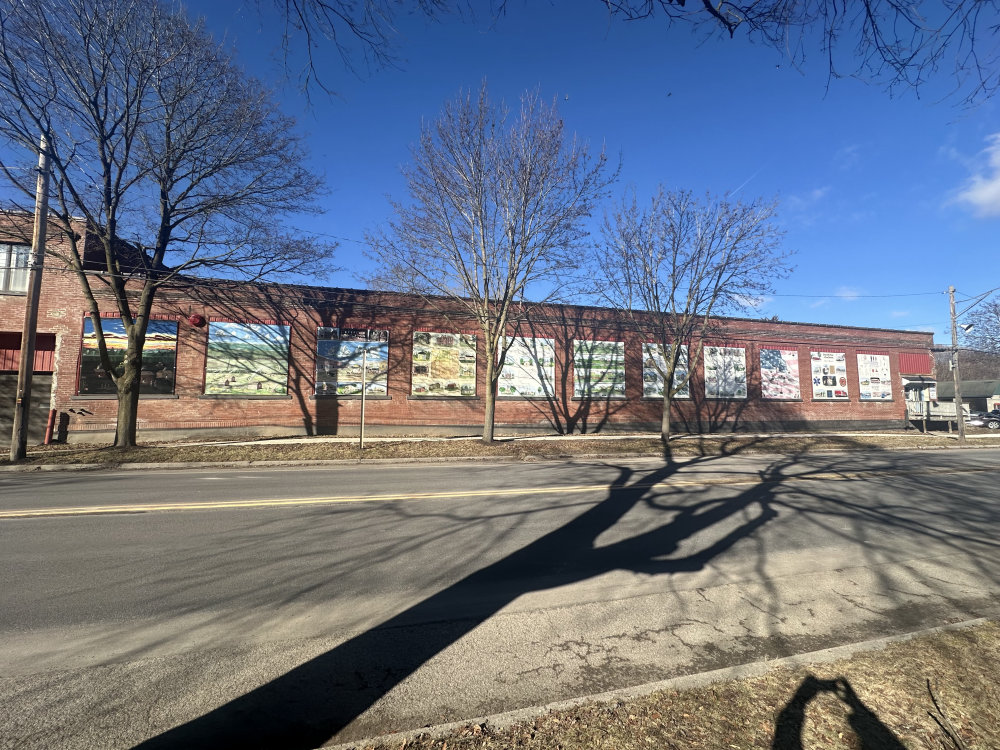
229 358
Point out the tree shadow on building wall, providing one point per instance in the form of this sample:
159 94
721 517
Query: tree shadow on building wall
305 310
570 406
315 701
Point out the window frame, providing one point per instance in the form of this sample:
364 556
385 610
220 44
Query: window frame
9 253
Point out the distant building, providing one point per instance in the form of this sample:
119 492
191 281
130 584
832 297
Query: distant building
978 395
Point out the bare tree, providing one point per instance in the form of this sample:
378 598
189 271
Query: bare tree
496 215
985 333
162 151
363 32
671 266
900 43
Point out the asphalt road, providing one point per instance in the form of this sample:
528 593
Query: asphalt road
296 607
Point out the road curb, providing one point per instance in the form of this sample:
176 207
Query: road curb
179 465
34 468
685 682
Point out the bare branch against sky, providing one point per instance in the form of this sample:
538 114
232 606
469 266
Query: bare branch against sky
171 160
676 262
496 215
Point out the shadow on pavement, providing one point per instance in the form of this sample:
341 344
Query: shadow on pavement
313 702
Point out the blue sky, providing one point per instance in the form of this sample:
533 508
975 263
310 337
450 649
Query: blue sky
887 200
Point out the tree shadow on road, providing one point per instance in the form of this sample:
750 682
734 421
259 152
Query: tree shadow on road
677 531
316 700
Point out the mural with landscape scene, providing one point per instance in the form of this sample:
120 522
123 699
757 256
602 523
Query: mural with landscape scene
247 359
347 357
654 364
598 369
529 369
159 356
444 364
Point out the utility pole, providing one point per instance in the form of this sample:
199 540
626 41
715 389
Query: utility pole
959 413
26 367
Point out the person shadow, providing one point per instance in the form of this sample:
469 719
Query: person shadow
869 730
313 702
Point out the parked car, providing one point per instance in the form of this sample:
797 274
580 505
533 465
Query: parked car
989 419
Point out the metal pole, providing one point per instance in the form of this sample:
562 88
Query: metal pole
959 413
364 390
26 367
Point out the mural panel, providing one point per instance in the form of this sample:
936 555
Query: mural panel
529 369
874 381
725 372
598 369
348 357
444 364
653 363
779 374
159 357
246 359
829 375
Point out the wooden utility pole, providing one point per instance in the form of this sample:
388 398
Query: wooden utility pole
26 367
959 413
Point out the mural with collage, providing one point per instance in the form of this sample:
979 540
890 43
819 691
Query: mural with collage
528 369
246 359
874 381
829 375
348 357
159 357
725 372
779 374
654 364
598 369
444 364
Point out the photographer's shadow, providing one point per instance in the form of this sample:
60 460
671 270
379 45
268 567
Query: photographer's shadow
869 730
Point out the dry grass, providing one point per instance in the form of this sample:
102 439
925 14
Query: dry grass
874 701
511 449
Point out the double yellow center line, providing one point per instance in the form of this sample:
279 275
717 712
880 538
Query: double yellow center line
98 510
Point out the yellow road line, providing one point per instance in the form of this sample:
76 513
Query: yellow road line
95 510
280 502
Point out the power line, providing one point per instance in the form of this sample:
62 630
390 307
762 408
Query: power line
856 296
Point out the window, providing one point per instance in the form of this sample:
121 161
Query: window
14 268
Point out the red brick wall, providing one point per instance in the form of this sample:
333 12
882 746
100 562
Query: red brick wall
304 309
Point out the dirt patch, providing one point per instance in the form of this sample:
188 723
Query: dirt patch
878 700
509 448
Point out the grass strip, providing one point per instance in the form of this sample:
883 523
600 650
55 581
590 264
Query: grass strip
876 700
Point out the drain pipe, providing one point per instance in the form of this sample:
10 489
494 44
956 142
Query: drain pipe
49 427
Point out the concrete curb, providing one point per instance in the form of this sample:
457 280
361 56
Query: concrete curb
684 682
313 462
21 468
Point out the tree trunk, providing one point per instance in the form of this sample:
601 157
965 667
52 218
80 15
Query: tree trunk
491 401
128 398
665 419
128 412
